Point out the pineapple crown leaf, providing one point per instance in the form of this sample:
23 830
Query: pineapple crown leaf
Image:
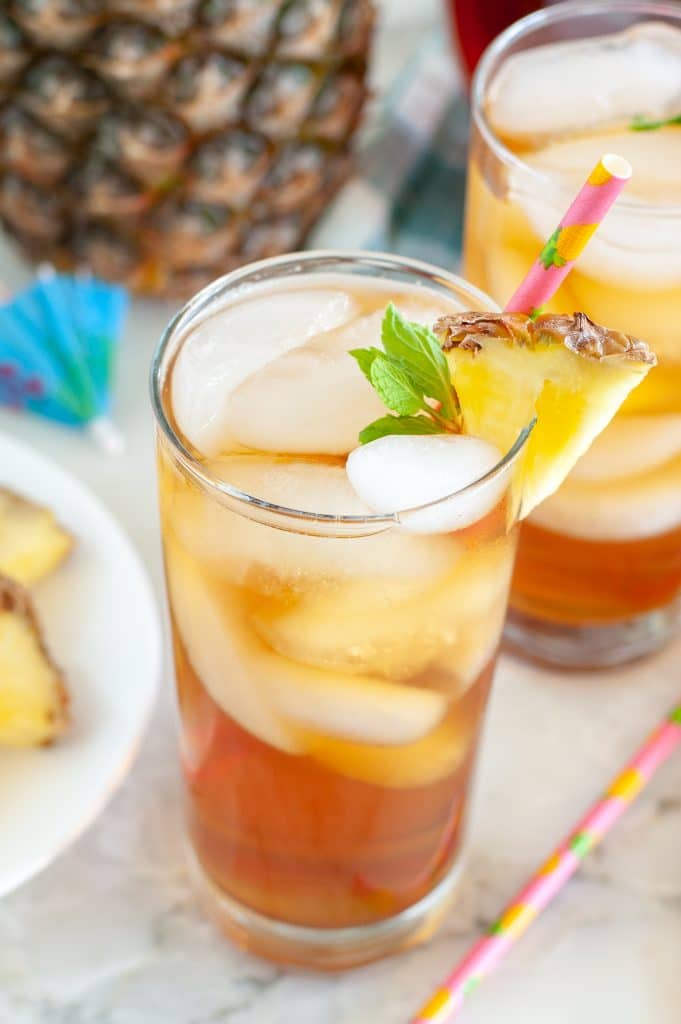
411 376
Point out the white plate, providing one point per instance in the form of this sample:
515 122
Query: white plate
102 627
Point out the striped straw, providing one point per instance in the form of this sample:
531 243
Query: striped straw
552 875
591 204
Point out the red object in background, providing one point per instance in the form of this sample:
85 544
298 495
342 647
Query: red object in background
475 23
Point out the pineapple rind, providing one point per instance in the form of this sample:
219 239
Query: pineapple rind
33 698
289 73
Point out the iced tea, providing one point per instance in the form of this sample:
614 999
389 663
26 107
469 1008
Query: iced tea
333 665
598 575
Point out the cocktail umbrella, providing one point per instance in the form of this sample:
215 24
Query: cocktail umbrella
57 344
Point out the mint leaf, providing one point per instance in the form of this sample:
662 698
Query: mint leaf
399 425
417 348
389 379
411 376
644 124
365 357
394 387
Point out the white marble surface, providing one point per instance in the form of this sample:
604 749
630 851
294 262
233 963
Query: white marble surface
110 935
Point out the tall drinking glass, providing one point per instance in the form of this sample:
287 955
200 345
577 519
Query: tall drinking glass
333 666
474 25
598 576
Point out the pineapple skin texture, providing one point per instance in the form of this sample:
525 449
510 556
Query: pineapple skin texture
163 144
33 698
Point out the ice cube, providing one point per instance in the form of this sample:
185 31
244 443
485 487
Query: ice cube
307 486
224 349
477 601
654 156
308 401
635 247
219 648
365 331
262 691
314 399
400 628
477 642
630 445
427 760
242 548
401 472
632 508
571 87
351 707
388 628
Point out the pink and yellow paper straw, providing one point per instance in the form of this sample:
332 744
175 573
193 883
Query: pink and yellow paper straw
553 874
591 204
565 245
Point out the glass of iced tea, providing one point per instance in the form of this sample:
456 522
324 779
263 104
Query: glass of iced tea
474 25
333 664
598 576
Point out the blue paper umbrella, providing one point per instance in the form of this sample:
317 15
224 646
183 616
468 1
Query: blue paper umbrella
57 345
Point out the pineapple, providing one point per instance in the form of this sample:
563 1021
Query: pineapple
565 373
164 142
32 543
33 699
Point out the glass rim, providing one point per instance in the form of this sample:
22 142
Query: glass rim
185 317
562 12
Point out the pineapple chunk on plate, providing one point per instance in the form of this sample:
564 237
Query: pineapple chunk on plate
101 621
33 698
32 543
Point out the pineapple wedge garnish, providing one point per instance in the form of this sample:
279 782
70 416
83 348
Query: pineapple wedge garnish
32 543
33 698
569 373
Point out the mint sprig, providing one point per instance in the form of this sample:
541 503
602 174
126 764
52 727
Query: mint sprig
399 425
411 376
645 124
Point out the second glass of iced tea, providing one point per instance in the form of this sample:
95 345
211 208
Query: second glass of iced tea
598 576
333 666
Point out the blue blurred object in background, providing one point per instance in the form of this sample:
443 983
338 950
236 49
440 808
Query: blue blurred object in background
58 340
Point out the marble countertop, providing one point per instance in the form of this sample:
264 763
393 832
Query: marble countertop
110 934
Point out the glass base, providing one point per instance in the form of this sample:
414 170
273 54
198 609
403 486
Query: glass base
591 647
324 949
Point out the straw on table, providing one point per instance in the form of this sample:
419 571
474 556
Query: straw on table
591 204
562 248
553 874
